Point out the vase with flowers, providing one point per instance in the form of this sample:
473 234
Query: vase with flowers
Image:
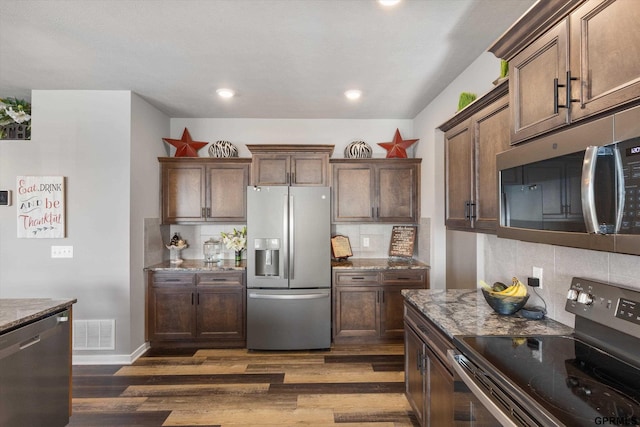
236 241
15 119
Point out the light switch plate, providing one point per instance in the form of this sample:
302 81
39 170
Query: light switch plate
61 251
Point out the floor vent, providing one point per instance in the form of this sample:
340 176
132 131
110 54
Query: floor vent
94 334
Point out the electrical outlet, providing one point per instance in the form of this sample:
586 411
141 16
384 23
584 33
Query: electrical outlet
365 242
61 251
537 273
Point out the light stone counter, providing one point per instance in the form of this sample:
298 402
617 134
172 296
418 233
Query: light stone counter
16 312
465 312
378 264
199 265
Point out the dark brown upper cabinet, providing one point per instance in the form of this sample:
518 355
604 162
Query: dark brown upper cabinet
570 60
473 137
376 190
295 165
202 190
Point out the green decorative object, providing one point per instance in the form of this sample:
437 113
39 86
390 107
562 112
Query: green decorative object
504 68
466 98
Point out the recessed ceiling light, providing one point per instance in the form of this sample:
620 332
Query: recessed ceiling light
388 2
353 94
226 93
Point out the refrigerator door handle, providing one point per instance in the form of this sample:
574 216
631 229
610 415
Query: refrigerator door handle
292 240
285 238
288 296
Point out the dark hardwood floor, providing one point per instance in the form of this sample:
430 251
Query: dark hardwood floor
346 386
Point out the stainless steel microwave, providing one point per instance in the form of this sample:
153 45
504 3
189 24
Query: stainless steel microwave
579 187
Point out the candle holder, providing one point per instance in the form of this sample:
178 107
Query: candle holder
175 254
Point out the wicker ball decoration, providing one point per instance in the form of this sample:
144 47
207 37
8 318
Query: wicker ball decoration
358 150
223 149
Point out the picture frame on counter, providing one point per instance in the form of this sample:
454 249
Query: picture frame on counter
403 240
341 247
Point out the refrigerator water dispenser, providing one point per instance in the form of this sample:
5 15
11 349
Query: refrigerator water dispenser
267 256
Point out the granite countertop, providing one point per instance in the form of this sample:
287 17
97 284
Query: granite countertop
378 264
199 265
15 312
465 312
350 264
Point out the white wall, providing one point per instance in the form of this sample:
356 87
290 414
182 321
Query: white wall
477 78
339 132
148 127
85 136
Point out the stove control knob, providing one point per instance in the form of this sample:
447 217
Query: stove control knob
572 295
585 298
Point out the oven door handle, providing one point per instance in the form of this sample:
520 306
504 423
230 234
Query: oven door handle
478 392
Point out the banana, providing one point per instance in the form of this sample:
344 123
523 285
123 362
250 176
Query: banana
517 289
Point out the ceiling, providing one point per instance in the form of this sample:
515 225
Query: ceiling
284 58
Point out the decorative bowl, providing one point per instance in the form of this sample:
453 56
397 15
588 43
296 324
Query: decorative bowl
504 304
223 149
358 150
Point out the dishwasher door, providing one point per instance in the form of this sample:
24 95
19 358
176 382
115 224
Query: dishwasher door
35 373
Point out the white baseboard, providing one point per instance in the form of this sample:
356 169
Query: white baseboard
110 359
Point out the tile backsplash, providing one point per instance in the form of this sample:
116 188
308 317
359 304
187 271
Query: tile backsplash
367 240
196 235
505 258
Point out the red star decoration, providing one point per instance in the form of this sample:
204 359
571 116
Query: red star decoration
397 147
185 147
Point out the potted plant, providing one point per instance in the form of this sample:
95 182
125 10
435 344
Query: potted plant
15 118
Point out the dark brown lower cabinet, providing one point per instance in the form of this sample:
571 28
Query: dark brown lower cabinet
367 304
196 309
428 378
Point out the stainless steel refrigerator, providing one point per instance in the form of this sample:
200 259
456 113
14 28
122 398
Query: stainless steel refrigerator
288 268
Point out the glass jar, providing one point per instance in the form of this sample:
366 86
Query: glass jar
212 250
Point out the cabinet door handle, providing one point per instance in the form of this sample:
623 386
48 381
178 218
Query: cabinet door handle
418 360
287 178
568 99
192 301
472 210
556 104
569 80
293 178
203 212
467 208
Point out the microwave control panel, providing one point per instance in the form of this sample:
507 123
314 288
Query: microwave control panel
630 153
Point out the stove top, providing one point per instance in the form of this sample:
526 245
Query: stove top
572 381
591 377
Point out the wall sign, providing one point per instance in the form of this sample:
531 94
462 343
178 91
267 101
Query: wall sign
403 238
40 206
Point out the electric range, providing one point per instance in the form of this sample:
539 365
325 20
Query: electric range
591 377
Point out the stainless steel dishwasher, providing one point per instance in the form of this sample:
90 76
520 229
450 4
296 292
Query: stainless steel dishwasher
34 374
